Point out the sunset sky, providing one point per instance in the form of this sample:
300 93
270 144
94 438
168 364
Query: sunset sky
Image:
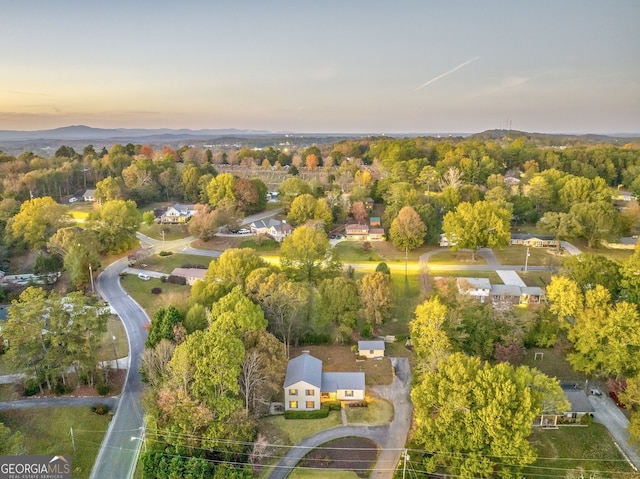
424 66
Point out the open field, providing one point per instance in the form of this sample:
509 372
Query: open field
457 257
377 413
292 431
553 364
590 448
517 255
42 436
171 232
106 348
172 294
166 264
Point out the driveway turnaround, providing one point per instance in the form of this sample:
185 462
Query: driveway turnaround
391 437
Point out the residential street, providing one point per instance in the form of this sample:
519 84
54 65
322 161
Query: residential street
121 445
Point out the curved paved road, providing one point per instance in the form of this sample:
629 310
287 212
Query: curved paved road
121 445
391 437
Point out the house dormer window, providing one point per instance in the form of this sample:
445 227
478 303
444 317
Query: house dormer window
293 392
310 392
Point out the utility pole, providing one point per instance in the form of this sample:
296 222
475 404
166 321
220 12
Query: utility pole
404 466
526 260
115 354
91 276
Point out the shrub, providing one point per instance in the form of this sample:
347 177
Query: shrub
177 279
165 253
358 404
31 387
102 389
100 409
163 279
60 389
315 338
156 290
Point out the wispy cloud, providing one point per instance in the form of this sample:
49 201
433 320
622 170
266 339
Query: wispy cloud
446 73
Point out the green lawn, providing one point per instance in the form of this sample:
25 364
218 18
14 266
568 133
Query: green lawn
171 232
554 364
166 264
377 413
321 474
42 436
590 448
106 348
172 294
353 251
456 257
517 255
293 431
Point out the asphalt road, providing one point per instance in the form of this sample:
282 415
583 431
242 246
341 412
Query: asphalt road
121 445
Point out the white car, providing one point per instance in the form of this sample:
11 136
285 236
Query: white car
244 231
144 277
73 199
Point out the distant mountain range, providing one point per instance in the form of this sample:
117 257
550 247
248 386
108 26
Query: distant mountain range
15 142
81 132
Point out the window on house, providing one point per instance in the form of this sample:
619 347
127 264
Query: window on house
310 405
325 396
293 404
293 392
348 394
310 392
371 351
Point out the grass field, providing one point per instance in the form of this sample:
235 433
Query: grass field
106 348
321 474
569 448
166 264
554 364
42 436
517 255
172 294
171 232
377 413
457 257
292 431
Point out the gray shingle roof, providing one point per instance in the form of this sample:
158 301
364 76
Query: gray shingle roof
376 344
331 382
304 368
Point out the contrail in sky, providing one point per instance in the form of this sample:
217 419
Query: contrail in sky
446 73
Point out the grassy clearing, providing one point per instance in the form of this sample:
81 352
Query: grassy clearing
321 474
407 294
517 255
377 413
41 437
554 364
171 232
172 294
106 348
457 257
354 251
491 275
293 431
166 264
589 448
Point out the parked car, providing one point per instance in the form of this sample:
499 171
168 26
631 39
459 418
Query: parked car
144 276
244 231
73 199
596 392
616 400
